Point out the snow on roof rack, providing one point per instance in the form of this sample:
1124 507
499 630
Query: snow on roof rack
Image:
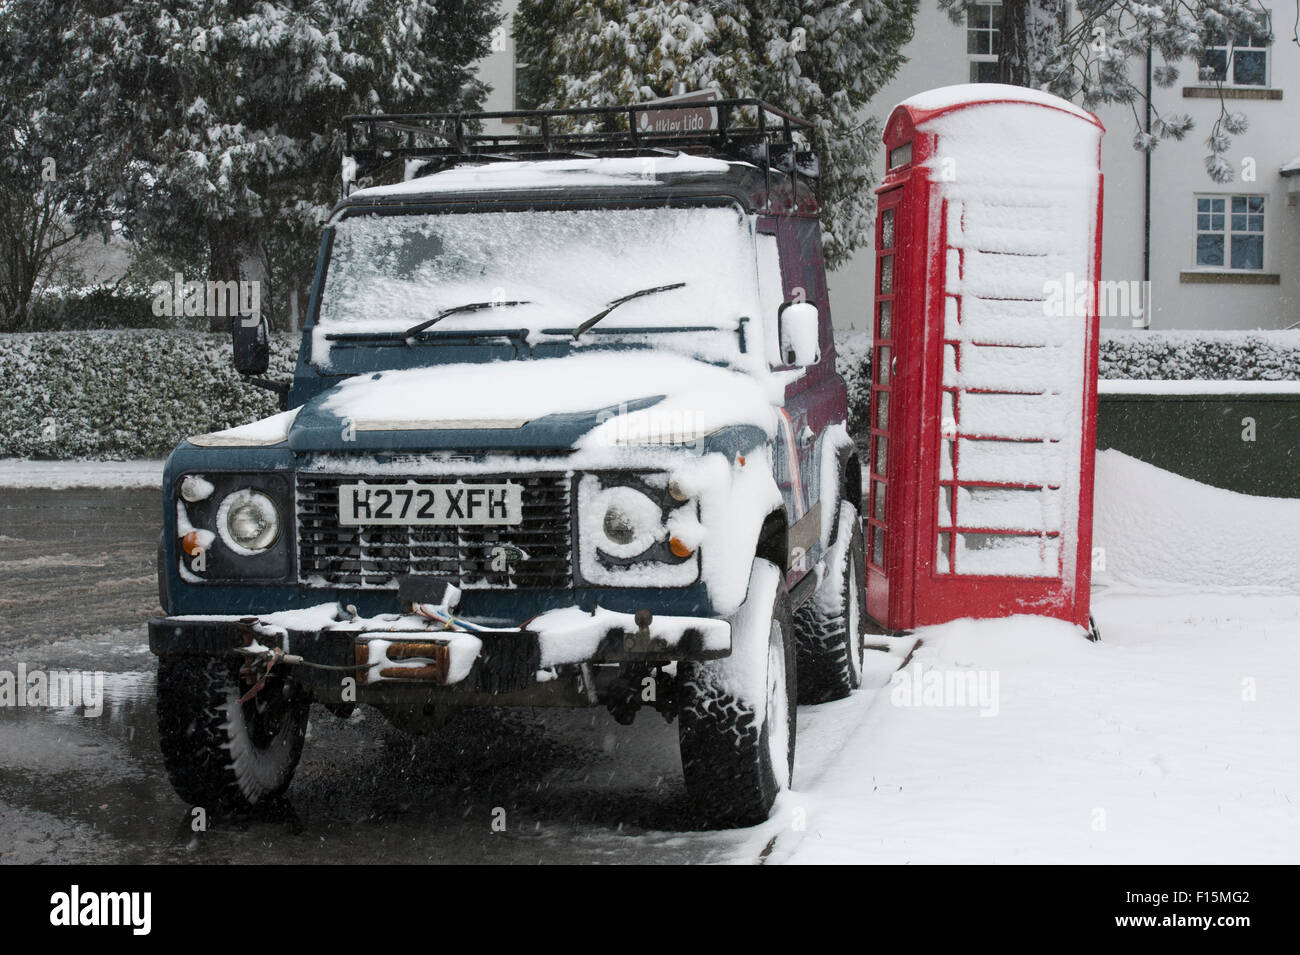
749 130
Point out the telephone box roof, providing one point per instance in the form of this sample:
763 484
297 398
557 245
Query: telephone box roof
931 103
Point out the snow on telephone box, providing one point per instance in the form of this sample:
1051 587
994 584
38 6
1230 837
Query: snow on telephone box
984 370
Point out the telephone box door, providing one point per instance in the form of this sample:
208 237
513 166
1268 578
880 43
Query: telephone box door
882 508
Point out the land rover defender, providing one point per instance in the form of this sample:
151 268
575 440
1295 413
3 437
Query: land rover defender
565 430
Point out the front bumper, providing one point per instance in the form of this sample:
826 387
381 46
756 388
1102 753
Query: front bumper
395 650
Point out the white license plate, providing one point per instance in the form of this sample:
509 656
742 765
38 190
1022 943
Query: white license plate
478 505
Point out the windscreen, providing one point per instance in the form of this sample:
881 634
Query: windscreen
388 273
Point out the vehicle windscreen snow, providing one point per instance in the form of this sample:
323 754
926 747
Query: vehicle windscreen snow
388 273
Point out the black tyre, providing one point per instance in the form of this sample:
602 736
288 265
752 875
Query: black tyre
736 723
219 753
830 638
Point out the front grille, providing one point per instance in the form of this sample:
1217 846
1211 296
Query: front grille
374 557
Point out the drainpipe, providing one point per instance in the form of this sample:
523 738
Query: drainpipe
1146 212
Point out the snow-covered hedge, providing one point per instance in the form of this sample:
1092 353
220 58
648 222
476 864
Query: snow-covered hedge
1158 355
853 361
1226 356
131 394
124 394
95 307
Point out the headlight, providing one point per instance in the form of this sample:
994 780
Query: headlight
630 522
626 532
248 522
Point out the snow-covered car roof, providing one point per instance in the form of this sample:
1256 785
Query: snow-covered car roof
598 176
552 174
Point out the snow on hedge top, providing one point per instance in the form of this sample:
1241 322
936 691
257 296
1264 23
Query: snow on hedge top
563 174
963 94
1196 386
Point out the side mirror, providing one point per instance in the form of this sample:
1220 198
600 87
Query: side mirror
799 325
252 344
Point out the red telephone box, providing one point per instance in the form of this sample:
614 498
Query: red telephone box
984 390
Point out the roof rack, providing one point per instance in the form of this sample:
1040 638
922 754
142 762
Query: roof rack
749 130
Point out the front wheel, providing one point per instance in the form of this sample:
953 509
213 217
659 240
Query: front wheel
830 625
219 753
737 715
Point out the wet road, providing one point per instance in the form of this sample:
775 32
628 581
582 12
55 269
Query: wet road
77 583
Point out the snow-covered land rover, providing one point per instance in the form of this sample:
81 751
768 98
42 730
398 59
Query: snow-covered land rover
565 430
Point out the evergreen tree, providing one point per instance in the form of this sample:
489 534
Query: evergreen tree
219 119
821 60
50 145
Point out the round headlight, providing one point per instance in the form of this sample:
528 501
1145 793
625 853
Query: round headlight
630 522
618 526
248 521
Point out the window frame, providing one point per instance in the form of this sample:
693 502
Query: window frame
994 32
1229 48
1227 232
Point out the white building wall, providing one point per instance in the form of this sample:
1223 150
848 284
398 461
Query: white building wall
497 69
937 57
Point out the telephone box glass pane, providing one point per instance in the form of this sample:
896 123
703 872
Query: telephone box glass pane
878 501
887 229
878 546
882 410
943 556
886 274
886 308
882 458
882 366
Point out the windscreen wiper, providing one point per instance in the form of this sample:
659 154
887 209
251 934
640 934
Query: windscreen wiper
577 332
415 330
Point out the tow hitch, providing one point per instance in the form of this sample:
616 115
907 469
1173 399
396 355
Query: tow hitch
638 685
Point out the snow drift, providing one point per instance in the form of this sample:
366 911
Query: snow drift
1161 532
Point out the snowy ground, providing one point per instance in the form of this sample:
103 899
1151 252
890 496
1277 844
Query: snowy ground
1176 739
1173 740
55 475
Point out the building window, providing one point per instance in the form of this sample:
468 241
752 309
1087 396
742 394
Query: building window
1230 232
984 41
1241 61
517 73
